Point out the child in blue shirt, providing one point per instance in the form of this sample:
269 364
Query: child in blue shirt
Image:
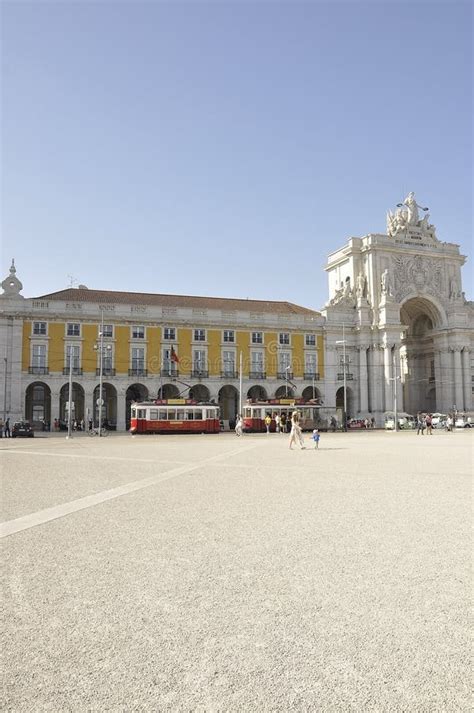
316 438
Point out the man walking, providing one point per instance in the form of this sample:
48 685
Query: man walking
7 428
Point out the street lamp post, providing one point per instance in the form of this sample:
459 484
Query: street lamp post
69 406
395 408
100 348
343 342
5 360
287 368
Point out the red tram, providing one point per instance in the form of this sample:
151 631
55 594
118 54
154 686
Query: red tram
174 416
254 414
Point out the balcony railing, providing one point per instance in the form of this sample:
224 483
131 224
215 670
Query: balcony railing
138 371
285 375
229 374
199 374
106 371
170 372
340 376
257 375
310 375
38 370
76 370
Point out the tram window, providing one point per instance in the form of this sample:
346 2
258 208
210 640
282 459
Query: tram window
171 415
141 413
257 413
134 412
162 415
198 415
153 415
181 415
190 415
247 412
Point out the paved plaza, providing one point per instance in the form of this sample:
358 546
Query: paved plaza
212 573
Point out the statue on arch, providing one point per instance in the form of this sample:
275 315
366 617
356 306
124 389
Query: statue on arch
385 282
361 285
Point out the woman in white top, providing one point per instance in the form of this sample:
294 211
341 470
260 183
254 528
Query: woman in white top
296 435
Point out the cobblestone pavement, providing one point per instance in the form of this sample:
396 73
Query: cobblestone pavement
211 573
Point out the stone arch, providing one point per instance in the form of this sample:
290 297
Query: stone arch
310 393
422 316
228 400
340 402
168 391
77 397
199 392
109 408
38 404
257 393
284 392
415 306
135 392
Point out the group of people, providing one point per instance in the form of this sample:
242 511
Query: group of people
281 425
424 421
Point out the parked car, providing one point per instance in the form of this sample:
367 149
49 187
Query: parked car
462 422
22 428
439 420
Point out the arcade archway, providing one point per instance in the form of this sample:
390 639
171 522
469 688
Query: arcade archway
109 406
257 393
284 392
340 402
310 393
199 392
77 398
135 392
228 402
422 319
168 391
38 404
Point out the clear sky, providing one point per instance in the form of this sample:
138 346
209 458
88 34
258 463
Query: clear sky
220 148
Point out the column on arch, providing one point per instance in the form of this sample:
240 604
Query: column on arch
466 376
457 372
387 376
363 381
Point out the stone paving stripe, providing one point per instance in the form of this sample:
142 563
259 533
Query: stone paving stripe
86 455
41 517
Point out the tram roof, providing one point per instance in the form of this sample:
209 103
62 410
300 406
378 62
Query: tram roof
73 294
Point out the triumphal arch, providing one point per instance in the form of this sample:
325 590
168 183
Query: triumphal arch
407 325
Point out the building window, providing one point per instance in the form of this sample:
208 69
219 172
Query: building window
199 361
257 337
39 356
107 331
73 352
229 335
310 340
39 328
228 363
73 329
169 367
138 359
310 364
169 333
284 338
138 332
257 362
199 335
284 359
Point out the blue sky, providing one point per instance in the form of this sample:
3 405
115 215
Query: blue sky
223 148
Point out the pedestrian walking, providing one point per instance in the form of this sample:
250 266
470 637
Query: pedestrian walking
420 423
316 438
7 428
333 424
429 425
277 422
239 426
283 422
449 423
268 423
296 435
90 424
